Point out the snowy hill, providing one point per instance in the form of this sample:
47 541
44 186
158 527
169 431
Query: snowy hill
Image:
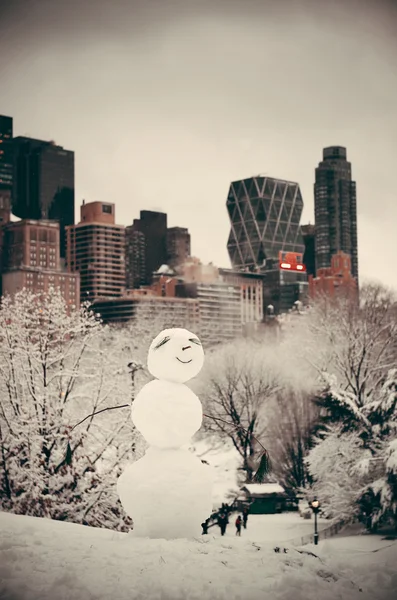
42 559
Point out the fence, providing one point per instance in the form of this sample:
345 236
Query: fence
325 533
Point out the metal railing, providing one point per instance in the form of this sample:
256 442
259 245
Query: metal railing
325 533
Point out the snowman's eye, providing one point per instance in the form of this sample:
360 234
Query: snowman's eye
163 341
195 341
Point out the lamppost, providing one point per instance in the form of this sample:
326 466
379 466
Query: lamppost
133 367
315 506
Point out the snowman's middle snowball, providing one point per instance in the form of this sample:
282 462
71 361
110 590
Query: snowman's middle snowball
167 414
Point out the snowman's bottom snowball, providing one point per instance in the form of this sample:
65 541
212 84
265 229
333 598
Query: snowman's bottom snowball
167 493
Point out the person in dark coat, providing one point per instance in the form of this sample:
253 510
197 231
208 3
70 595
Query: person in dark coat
222 522
238 525
205 527
245 517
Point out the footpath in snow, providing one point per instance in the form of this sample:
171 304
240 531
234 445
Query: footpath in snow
42 559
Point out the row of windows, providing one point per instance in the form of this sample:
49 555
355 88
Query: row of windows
42 263
90 229
40 283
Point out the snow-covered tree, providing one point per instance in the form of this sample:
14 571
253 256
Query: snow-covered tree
56 368
238 385
339 465
292 420
355 342
358 397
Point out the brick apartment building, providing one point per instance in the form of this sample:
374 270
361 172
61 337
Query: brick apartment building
95 248
31 259
336 280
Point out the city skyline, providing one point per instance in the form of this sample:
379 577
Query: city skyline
175 112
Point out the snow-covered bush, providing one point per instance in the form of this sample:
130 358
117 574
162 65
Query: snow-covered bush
335 463
56 368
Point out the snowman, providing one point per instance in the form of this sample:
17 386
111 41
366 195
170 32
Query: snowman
168 492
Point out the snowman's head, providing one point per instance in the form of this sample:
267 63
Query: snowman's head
175 355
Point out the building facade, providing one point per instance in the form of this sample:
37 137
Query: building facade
151 309
336 280
286 283
264 215
251 293
5 217
335 209
31 260
219 309
178 245
96 249
43 183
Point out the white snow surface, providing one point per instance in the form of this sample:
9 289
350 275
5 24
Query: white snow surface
167 414
167 493
42 559
175 355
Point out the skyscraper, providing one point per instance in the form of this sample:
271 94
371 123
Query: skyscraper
335 209
96 249
6 161
135 265
153 225
43 183
264 215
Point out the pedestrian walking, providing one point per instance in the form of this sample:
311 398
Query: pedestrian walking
222 522
245 517
238 525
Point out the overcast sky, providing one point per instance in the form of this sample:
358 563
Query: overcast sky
166 101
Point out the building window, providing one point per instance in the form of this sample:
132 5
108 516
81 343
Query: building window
107 208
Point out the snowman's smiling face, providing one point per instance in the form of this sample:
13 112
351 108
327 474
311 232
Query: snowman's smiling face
175 355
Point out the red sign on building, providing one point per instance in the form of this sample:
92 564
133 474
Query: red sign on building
291 261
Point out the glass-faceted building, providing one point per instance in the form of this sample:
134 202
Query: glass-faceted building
264 215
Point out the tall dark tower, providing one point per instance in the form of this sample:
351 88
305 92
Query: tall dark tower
264 217
335 209
43 186
153 225
6 162
135 265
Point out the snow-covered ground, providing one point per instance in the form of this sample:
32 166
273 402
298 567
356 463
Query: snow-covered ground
42 559
285 527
